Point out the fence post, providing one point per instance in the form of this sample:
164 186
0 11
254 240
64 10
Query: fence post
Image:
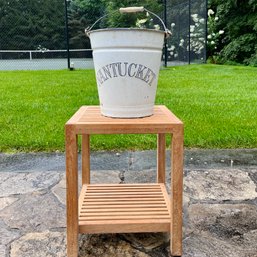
189 33
67 33
165 41
206 30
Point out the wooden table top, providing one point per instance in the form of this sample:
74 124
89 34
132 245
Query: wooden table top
88 119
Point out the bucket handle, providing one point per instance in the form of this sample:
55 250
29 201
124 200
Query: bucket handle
131 10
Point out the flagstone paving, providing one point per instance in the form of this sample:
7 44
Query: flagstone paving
219 208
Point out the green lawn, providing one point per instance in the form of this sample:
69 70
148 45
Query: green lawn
218 105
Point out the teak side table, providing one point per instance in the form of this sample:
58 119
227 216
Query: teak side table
124 208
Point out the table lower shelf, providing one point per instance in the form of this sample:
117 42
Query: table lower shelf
124 208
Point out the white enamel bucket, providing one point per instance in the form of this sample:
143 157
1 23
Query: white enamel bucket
127 63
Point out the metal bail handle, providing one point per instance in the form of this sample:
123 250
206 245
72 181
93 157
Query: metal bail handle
132 9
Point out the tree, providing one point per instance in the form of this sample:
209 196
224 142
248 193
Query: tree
28 24
238 20
83 13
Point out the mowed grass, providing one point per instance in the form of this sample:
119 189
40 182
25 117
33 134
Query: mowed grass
218 105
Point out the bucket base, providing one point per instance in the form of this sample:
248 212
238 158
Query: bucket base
127 112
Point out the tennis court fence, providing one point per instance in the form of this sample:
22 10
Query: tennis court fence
58 41
45 59
44 54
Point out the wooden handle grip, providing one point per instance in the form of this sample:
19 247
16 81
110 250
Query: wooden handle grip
132 9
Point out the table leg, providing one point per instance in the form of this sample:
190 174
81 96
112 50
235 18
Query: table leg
72 191
85 144
161 158
176 192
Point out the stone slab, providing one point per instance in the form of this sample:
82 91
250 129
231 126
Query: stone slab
220 230
45 244
140 176
35 212
204 245
12 183
6 201
105 176
223 220
3 251
7 235
220 185
215 222
59 190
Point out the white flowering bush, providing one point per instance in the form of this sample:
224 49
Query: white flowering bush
213 36
174 46
179 45
197 34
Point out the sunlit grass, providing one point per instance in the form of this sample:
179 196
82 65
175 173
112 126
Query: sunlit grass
218 105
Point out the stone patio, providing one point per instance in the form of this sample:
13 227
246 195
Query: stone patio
220 205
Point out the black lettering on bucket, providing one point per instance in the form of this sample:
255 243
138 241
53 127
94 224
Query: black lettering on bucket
140 72
100 77
130 68
149 77
107 72
113 66
124 69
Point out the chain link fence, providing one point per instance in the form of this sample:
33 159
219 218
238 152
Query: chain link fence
188 23
31 34
49 34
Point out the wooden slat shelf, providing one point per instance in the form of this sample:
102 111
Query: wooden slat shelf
123 205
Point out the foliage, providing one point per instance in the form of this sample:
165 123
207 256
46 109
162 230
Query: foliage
216 103
40 24
213 37
239 21
115 19
83 13
27 24
240 48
